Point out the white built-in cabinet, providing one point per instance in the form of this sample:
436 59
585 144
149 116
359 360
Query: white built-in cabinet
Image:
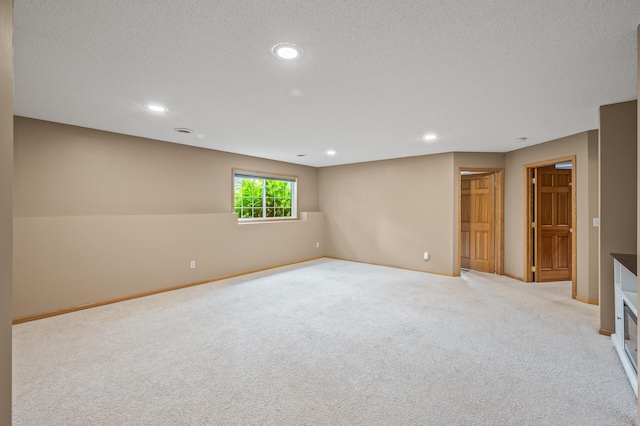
626 293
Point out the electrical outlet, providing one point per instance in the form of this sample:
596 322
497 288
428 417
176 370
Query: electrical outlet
317 245
596 221
193 264
426 255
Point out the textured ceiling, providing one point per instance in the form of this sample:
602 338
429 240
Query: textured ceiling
375 75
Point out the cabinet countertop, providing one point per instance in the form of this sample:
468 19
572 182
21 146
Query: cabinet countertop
629 261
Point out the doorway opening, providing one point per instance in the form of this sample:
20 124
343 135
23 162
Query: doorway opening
481 219
550 223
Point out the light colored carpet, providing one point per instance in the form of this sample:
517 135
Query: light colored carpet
326 342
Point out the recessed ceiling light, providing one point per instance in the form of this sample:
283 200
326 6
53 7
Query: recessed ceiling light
430 137
521 140
183 130
331 152
286 51
302 155
157 108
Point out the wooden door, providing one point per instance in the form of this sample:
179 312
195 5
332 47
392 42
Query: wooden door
553 224
477 223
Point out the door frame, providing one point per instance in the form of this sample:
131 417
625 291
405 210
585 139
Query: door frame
499 216
528 214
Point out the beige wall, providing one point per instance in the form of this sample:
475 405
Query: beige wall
99 216
638 177
618 196
594 212
390 212
426 188
6 173
582 146
66 170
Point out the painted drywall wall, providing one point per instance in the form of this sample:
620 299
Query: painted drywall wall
69 173
390 212
618 196
469 160
594 212
638 177
100 216
515 162
66 261
388 235
6 178
67 170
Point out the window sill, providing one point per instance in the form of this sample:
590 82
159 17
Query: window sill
275 220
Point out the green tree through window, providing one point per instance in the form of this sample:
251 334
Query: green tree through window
263 197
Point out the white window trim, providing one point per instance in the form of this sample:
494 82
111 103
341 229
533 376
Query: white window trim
238 173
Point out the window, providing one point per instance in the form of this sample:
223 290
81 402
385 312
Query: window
264 197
